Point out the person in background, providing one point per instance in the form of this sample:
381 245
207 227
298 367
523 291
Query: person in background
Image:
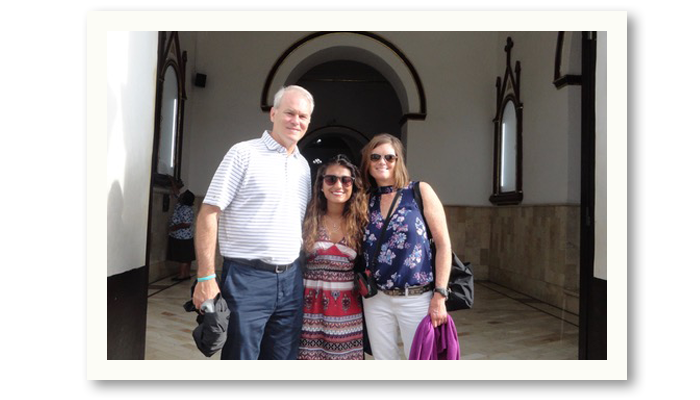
408 291
333 228
181 234
256 204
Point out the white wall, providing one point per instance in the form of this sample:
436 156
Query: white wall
131 68
551 121
452 149
228 110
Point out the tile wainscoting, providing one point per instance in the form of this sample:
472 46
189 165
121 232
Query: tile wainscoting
532 249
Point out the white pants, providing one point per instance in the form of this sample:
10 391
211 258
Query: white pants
389 316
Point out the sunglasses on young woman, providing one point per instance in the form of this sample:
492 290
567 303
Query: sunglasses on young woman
390 158
330 180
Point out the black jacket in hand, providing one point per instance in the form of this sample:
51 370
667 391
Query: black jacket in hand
210 333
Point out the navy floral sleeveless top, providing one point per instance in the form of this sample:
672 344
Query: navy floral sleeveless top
404 256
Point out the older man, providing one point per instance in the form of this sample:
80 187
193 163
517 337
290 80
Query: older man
256 203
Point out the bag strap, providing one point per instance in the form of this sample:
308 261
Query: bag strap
419 200
386 224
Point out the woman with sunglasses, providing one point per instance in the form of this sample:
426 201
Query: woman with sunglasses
333 226
400 261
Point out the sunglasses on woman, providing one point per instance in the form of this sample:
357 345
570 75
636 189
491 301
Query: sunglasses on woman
390 158
330 180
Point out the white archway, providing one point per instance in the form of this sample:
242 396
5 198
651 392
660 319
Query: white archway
362 47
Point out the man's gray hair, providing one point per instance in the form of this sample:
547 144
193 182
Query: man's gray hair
285 89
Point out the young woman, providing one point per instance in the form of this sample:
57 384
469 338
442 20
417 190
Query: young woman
408 291
332 326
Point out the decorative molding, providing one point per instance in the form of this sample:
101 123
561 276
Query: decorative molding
421 115
413 116
508 90
169 54
566 80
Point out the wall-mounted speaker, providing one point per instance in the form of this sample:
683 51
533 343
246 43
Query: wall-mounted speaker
200 80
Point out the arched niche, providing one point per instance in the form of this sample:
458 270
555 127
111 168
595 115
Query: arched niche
508 141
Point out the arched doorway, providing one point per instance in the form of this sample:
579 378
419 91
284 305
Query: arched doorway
323 143
354 102
343 70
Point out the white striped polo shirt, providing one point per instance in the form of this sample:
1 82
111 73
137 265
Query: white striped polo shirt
263 194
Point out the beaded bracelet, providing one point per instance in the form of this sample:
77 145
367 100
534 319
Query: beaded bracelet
206 278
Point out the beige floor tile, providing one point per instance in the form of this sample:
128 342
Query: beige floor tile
503 325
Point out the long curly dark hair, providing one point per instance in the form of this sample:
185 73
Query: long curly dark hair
355 215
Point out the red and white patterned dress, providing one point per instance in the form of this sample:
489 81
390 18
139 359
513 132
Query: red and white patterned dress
332 327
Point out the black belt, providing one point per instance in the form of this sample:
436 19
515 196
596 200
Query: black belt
259 264
408 291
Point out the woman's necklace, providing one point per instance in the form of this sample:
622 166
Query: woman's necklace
336 226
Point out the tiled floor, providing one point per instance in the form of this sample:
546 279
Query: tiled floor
503 325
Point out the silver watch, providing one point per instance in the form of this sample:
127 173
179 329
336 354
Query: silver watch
442 291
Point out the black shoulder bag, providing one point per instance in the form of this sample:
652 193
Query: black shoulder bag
461 284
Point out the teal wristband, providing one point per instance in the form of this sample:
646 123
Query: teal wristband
206 278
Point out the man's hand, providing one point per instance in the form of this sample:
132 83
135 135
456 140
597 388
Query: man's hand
205 245
204 291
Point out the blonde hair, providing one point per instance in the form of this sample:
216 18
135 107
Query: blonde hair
355 216
401 178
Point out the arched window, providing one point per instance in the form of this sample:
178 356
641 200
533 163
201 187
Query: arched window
170 107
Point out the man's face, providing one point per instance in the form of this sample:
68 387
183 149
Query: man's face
291 119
